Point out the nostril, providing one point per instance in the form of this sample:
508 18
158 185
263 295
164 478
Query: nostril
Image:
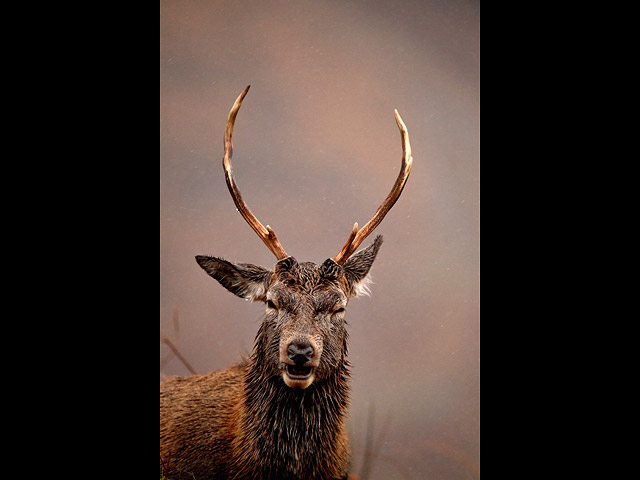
300 353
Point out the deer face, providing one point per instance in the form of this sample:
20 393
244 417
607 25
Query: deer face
303 337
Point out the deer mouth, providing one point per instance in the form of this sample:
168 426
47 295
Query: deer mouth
298 372
298 376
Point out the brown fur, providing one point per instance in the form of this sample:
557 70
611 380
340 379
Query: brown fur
254 420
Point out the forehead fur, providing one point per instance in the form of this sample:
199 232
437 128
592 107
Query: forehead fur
308 277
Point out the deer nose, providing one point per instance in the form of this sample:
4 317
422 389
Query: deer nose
300 353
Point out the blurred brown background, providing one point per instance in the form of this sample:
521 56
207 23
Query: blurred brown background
316 148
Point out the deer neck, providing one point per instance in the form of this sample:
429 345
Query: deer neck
296 433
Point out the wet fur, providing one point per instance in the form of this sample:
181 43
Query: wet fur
245 422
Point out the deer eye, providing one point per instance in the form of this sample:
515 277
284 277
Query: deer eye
271 305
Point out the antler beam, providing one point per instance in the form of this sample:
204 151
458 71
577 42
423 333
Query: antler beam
266 234
357 236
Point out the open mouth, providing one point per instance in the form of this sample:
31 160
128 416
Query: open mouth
296 372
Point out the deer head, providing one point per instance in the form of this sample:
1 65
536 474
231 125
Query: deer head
303 336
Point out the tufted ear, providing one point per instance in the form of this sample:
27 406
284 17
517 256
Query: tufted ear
242 279
356 268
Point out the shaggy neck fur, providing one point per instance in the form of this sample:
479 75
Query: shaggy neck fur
292 433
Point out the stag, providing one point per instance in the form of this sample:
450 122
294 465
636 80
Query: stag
281 413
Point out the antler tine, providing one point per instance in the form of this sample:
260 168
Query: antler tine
267 235
357 237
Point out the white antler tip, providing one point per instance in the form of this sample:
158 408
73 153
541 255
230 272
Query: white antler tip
399 121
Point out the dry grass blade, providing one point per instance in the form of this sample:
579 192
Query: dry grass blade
164 338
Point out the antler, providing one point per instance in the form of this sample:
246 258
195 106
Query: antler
356 237
267 235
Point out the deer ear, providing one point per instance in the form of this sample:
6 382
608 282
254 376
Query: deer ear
356 269
242 279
